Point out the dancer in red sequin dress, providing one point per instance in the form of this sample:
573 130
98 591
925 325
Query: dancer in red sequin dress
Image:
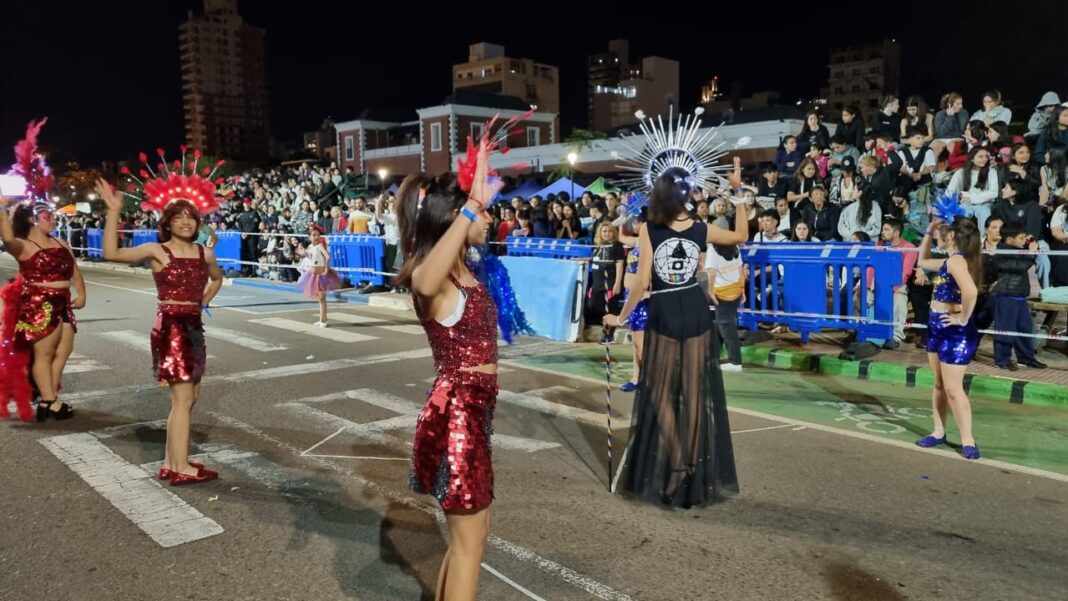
187 278
451 453
38 322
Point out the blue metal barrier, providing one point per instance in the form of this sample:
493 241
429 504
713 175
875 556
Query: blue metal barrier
820 284
550 248
228 250
145 237
94 241
358 251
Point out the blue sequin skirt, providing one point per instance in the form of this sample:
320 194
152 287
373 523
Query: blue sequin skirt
955 345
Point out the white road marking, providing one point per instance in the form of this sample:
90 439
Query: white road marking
139 341
301 327
79 364
244 340
162 515
412 329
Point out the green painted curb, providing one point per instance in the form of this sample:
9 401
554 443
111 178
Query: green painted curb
1039 394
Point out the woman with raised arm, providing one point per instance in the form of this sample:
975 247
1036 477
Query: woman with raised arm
680 451
37 324
952 337
187 278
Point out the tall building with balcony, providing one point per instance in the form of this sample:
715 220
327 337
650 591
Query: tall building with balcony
489 70
224 83
861 75
618 87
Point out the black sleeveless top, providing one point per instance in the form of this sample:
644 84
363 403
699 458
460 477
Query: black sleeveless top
678 306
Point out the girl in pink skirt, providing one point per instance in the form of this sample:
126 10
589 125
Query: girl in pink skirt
317 278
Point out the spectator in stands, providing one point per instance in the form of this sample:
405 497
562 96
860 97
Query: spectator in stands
606 275
813 132
917 115
1019 206
885 150
769 228
845 186
598 213
1056 132
360 217
386 214
720 214
540 218
822 216
879 180
770 185
1021 167
525 227
752 210
302 219
787 216
701 212
840 149
977 184
852 127
801 185
1053 175
891 235
887 120
570 226
998 144
1042 115
1010 292
899 204
508 223
249 224
788 157
865 215
917 162
802 233
974 137
993 111
583 210
611 201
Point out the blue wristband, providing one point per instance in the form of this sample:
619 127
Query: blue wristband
466 212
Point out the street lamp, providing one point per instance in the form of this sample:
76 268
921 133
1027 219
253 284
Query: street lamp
92 196
382 173
572 158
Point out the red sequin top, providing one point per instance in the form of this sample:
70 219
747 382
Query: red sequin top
182 280
54 264
469 343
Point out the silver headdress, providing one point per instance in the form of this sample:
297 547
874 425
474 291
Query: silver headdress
681 144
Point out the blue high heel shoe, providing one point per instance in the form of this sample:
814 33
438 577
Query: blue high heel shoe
930 441
628 387
970 452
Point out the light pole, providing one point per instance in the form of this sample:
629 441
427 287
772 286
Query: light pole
572 158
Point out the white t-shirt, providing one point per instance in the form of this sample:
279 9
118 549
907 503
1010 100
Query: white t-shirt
1058 217
317 255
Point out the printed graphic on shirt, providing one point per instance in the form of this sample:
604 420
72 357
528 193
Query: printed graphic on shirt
675 261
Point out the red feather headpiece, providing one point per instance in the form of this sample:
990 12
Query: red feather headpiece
155 189
31 165
466 172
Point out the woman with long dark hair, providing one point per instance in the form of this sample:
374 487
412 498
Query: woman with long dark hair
865 215
187 278
451 454
680 451
976 184
917 115
952 335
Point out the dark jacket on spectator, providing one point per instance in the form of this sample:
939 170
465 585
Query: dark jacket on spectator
824 223
853 132
890 124
1012 279
883 181
807 138
950 126
1027 214
1043 144
788 162
777 191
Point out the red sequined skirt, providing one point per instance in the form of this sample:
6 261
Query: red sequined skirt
451 456
41 310
178 350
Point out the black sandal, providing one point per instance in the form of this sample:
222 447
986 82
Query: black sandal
44 411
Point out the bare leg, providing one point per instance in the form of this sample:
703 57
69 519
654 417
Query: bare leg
462 565
322 307
63 351
177 454
953 378
637 340
938 397
167 463
44 353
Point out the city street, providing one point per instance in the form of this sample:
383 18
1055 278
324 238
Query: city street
310 429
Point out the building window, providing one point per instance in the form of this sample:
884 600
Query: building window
476 130
350 150
533 136
435 137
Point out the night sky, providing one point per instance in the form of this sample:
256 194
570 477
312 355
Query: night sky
107 73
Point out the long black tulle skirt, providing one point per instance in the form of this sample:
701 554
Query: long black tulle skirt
680 451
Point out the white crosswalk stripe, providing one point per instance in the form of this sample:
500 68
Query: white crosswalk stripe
311 330
242 339
79 364
136 340
412 329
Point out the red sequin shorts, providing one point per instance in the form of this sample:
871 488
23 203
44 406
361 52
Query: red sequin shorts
41 310
451 456
178 350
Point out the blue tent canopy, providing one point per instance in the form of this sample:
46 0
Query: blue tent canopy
563 184
526 190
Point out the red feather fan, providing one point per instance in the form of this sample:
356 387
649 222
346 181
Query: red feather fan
14 356
30 165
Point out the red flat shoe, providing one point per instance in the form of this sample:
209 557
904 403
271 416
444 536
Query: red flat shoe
165 474
203 475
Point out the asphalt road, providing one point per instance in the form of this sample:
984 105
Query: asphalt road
311 435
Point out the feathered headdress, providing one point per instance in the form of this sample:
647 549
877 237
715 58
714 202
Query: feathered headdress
681 143
155 189
32 166
948 208
632 208
465 174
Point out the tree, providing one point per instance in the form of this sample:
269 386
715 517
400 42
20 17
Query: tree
74 184
580 140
